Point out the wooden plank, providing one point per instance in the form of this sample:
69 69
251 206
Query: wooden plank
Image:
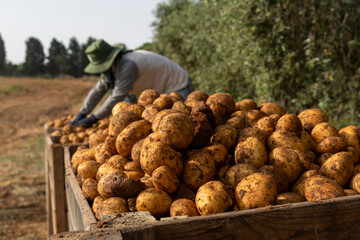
49 225
56 184
79 210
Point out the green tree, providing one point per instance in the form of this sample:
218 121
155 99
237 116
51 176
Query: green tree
2 55
34 59
84 61
57 58
74 58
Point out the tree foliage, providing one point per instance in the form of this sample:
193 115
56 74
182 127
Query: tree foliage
57 58
74 58
34 59
300 54
2 55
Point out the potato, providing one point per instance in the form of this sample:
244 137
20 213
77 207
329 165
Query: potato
219 152
113 206
199 168
88 169
147 97
155 201
213 197
357 168
80 156
97 204
280 179
311 117
163 102
221 174
132 204
355 182
147 180
251 132
285 139
196 96
136 150
351 135
203 130
109 144
183 192
120 121
159 117
177 96
56 133
331 145
156 154
65 140
136 108
67 129
183 207
130 135
290 123
305 160
245 105
108 169
251 151
289 197
236 122
225 135
165 179
177 130
132 166
120 106
101 155
338 167
135 175
221 103
95 139
150 112
181 107
350 192
319 187
323 130
238 172
271 108
307 141
322 159
117 186
118 161
152 137
265 124
286 161
353 154
253 116
89 189
256 190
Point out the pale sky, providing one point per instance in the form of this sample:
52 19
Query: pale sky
126 21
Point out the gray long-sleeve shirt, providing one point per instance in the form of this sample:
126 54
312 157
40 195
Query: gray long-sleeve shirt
134 72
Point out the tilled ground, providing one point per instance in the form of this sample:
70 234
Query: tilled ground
25 105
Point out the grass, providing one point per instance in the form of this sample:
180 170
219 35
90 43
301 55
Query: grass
13 89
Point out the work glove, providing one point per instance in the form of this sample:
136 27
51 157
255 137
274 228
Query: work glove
78 118
87 122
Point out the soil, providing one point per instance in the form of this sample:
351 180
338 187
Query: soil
26 104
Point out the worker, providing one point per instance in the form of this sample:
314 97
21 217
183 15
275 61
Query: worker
127 73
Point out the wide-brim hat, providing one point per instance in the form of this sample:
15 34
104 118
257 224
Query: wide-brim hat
101 56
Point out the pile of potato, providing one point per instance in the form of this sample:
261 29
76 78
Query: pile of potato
210 154
70 134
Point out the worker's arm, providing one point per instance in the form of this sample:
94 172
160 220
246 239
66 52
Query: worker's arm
125 76
93 98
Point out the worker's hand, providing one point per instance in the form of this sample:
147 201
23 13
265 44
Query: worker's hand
78 118
87 122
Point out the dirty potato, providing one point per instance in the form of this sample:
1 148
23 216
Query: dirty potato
96 205
108 169
194 97
280 179
287 161
221 103
183 207
271 108
331 145
117 186
120 121
156 201
307 141
163 102
136 108
112 206
118 161
159 117
150 112
80 156
120 106
251 151
181 107
319 187
285 139
253 116
136 150
311 117
252 132
88 169
213 197
351 135
265 124
203 130
238 172
323 130
89 189
101 155
290 123
289 197
254 191
219 152
245 105
225 135
165 179
147 97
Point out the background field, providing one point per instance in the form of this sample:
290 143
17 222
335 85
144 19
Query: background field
25 105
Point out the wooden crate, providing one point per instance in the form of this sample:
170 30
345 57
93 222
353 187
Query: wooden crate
336 218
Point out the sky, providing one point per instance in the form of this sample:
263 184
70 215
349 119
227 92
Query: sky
125 21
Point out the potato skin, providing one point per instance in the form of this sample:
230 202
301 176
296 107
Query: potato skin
265 124
355 182
213 197
319 187
238 172
323 130
136 108
286 161
289 197
196 96
271 108
252 132
251 151
165 179
159 117
130 135
290 123
253 116
338 167
351 135
101 155
120 121
88 169
225 135
331 145
177 130
80 156
245 105
157 202
118 161
181 107
280 179
96 205
199 168
307 141
89 189
163 102
117 186
183 207
219 153
285 139
113 206
108 169
156 154
350 192
311 117
136 150
147 97
120 106
221 103
256 190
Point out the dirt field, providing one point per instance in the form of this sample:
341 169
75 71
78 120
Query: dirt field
25 105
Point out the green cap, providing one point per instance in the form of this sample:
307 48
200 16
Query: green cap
101 56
